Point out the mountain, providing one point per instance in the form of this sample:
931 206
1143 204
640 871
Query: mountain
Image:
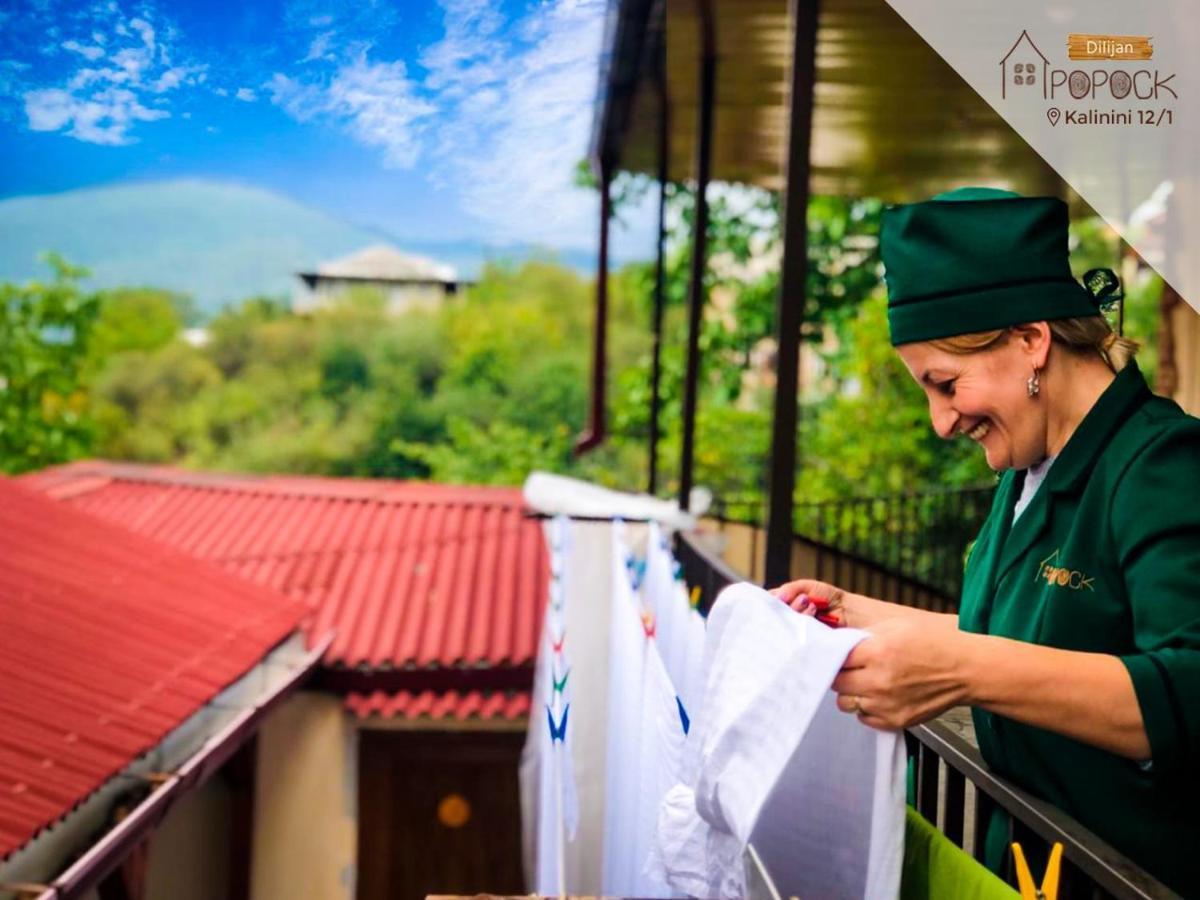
217 242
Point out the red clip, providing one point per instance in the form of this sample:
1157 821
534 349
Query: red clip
558 645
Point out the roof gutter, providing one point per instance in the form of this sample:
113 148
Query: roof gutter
112 849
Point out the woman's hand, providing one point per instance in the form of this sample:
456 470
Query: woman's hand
903 674
837 607
814 598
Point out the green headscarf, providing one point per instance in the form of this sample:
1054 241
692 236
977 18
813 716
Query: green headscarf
976 259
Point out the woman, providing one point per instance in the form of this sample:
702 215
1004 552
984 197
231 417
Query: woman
1077 643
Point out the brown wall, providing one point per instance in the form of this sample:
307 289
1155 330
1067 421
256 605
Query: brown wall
190 851
439 813
1185 329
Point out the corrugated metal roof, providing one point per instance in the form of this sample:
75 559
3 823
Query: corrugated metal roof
108 641
437 705
409 574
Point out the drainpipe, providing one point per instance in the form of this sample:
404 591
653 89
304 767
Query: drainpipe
595 433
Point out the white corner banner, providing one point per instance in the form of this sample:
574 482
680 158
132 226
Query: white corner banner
1107 92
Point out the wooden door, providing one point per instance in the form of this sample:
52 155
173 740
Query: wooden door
438 813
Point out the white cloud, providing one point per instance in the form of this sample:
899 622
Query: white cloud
501 109
303 102
519 122
90 53
133 61
319 48
11 76
145 29
102 118
469 55
376 103
246 95
102 103
177 75
382 108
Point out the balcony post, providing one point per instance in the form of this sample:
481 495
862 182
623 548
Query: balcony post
664 146
696 289
792 292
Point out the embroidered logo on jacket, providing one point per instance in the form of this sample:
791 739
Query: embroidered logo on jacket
1062 576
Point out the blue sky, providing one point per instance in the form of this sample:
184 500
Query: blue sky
459 119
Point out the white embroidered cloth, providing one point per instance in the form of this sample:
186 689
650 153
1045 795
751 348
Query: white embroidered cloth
771 761
645 740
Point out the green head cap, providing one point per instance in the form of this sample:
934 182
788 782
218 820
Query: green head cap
976 259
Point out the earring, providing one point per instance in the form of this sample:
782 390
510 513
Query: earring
1032 384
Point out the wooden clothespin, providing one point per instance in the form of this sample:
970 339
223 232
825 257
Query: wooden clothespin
1049 888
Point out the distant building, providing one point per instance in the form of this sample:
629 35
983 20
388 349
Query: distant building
406 281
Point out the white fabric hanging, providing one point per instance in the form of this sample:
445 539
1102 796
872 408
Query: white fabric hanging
645 738
770 760
680 634
557 804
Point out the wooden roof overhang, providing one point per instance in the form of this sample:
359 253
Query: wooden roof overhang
891 118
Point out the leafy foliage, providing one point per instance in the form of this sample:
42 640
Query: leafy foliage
494 383
44 335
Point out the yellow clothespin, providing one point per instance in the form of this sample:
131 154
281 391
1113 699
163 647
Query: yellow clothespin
1049 888
694 599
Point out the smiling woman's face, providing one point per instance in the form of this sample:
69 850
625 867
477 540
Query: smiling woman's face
984 396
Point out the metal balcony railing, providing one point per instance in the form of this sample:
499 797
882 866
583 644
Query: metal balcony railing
918 536
956 791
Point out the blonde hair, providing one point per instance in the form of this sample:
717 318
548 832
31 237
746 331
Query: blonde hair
1082 336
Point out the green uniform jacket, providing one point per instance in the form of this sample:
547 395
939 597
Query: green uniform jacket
1106 559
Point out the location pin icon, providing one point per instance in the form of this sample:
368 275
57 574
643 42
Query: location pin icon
1053 114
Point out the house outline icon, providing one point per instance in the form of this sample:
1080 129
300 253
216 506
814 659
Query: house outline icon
1024 38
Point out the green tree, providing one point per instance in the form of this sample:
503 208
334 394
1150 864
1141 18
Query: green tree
134 319
145 402
495 453
873 436
232 333
44 334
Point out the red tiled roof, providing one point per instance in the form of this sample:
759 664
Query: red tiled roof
108 641
409 574
441 705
